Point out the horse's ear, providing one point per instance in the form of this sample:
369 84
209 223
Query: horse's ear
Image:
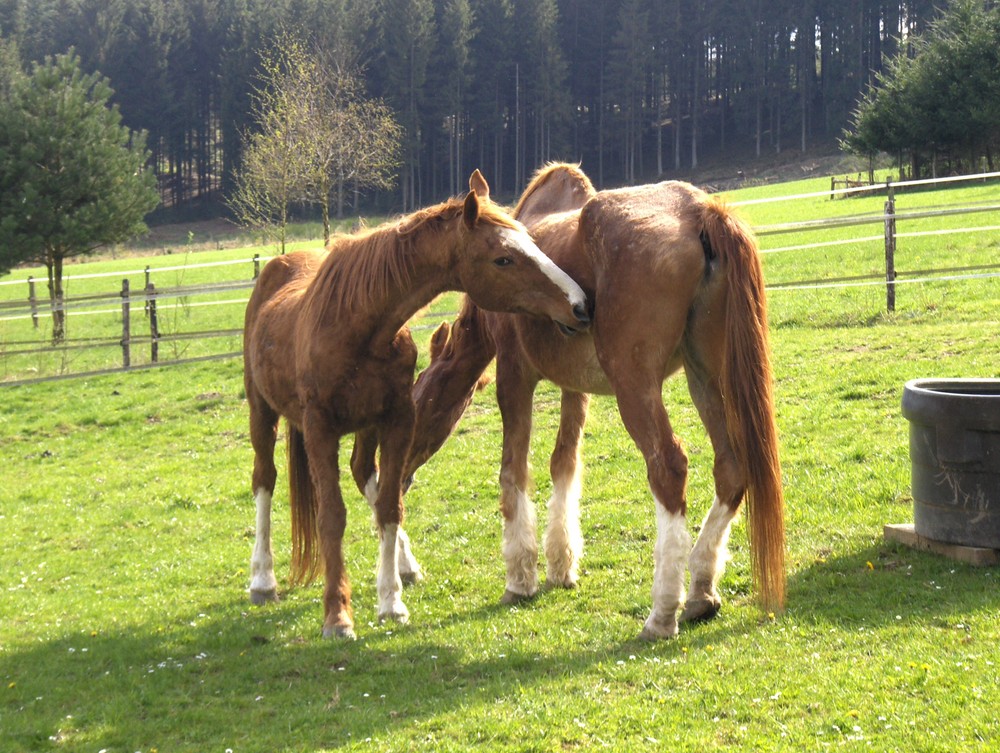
478 184
439 340
470 211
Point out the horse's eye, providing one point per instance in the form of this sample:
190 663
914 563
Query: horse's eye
503 261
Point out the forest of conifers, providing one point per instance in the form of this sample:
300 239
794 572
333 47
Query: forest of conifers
632 88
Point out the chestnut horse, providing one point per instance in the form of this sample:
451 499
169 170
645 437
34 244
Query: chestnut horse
675 280
325 346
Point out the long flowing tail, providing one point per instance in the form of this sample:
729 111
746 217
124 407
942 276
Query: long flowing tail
748 397
306 553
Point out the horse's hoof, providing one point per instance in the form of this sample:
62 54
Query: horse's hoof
260 598
658 630
411 579
567 582
345 632
700 610
651 636
398 614
510 598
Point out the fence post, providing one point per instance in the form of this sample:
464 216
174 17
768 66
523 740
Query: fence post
146 287
890 249
154 327
256 266
33 301
126 331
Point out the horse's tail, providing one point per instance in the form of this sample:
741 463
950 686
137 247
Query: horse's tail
306 554
748 397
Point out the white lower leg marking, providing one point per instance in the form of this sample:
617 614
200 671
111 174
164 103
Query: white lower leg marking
520 546
563 538
708 559
408 565
673 544
388 583
371 491
262 578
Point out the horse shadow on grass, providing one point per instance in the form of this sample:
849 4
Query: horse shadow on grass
225 675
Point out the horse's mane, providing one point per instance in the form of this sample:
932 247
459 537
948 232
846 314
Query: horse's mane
546 173
361 269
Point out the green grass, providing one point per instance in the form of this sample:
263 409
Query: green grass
127 524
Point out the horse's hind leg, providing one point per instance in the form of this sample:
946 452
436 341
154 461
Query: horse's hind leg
263 433
635 356
708 558
515 390
647 422
365 473
563 539
322 445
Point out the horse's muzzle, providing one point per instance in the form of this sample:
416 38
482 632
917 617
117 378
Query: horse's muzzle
582 319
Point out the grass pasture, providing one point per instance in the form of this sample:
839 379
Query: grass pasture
127 521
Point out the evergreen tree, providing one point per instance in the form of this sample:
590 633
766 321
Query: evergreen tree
544 99
408 38
628 66
72 178
449 78
944 102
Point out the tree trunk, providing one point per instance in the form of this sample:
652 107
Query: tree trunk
325 206
54 266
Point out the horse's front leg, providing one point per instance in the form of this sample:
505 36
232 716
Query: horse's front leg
515 392
365 473
395 436
563 538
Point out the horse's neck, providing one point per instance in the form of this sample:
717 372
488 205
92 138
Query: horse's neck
430 275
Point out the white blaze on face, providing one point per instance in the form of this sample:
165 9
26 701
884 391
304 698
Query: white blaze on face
520 242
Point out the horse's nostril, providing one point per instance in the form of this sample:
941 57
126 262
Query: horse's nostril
580 312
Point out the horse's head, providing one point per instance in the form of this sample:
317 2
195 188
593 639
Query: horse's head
460 354
502 269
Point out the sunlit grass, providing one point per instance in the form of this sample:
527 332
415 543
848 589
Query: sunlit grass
127 523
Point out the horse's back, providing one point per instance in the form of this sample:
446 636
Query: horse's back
648 235
298 267
556 187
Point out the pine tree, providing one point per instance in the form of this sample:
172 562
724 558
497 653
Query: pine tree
72 178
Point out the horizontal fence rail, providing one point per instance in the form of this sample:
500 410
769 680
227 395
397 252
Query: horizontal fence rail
125 302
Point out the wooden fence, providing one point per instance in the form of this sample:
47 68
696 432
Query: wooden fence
125 302
888 220
150 335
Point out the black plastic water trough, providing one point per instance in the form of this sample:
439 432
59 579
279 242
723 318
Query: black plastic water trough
955 459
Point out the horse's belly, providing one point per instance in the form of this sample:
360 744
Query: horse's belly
569 362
